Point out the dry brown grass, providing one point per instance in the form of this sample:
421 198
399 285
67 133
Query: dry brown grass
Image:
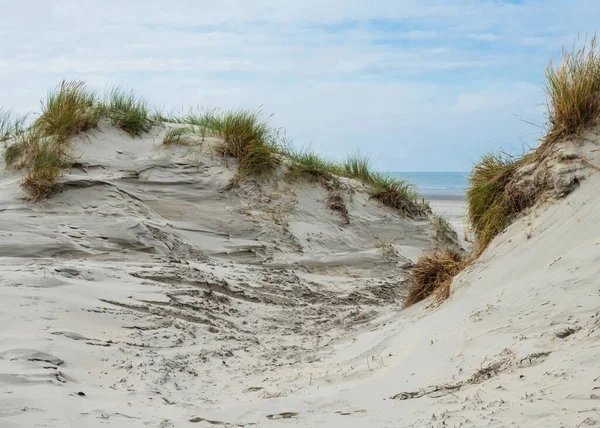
48 163
433 274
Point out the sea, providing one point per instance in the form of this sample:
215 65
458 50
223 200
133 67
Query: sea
437 185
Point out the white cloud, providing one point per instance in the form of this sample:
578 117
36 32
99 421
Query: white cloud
397 78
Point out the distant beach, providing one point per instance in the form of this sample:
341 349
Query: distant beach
446 192
437 185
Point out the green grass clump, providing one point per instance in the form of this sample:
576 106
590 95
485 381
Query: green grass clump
128 112
19 153
245 137
69 109
359 167
573 91
397 194
573 101
208 121
390 191
492 201
43 149
310 164
12 154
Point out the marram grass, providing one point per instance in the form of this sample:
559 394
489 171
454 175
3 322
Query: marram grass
492 201
573 91
44 148
128 112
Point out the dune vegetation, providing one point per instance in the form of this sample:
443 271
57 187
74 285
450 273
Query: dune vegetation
573 104
572 89
127 111
433 273
494 201
42 148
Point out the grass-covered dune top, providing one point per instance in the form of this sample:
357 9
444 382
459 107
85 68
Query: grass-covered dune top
42 147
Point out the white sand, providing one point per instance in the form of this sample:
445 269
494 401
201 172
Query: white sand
171 303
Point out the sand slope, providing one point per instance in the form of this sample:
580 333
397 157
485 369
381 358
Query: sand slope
160 300
149 286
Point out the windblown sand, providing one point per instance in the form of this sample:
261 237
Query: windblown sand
146 293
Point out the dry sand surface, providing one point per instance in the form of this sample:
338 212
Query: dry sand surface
146 294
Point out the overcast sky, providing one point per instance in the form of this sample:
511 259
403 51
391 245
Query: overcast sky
418 85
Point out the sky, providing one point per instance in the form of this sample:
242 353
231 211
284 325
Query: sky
425 85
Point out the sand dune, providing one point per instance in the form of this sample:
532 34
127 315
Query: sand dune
146 286
146 294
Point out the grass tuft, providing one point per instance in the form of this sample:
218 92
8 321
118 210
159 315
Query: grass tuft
433 273
245 137
492 201
390 191
397 194
12 154
68 110
128 112
573 92
44 158
21 152
312 165
359 167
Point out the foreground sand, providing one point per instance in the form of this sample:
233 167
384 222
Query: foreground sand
145 295
159 294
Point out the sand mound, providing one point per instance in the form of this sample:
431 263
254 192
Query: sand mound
148 283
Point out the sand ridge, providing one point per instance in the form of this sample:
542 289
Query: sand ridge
148 290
